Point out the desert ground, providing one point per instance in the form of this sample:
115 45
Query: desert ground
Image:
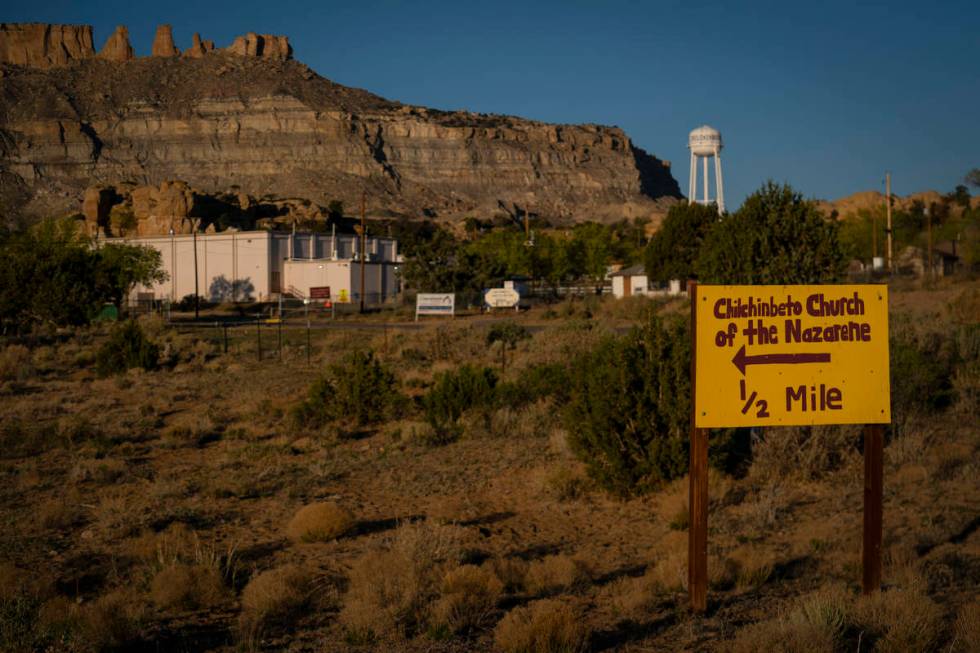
193 508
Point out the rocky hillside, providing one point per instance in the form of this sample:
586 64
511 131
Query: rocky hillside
249 119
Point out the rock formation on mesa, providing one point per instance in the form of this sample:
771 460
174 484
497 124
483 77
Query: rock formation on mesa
250 120
41 46
198 48
117 47
163 42
262 45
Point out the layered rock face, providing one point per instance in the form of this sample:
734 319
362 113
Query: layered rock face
268 126
42 46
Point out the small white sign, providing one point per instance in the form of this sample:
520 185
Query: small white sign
435 304
502 298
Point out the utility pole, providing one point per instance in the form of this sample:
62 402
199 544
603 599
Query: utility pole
929 271
362 232
197 295
888 209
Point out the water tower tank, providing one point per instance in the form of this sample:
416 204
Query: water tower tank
704 141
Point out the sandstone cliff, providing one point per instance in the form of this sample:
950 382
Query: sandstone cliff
42 46
259 123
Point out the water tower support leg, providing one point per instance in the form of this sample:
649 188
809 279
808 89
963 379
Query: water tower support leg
719 186
692 183
704 159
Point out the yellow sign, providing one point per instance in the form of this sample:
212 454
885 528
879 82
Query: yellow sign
791 355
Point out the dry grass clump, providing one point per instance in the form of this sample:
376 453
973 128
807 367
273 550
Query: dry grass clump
753 566
669 569
469 595
901 619
565 484
556 573
113 621
814 623
319 522
59 512
391 590
672 504
806 452
16 363
635 597
98 470
274 596
511 571
187 587
966 632
545 626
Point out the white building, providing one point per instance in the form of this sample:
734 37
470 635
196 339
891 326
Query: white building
633 280
630 281
261 265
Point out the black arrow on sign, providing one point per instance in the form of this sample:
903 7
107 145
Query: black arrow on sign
741 360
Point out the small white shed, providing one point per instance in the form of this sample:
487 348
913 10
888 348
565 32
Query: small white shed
630 281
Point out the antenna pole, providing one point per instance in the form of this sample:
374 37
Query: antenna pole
362 231
888 210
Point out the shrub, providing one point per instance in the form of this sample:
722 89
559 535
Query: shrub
921 370
545 626
903 619
452 394
113 621
127 347
628 415
468 597
966 631
275 596
556 573
813 623
187 587
360 389
15 363
535 383
391 591
319 522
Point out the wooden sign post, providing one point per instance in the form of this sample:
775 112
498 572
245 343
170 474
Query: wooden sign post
787 356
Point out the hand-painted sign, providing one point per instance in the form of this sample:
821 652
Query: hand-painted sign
502 298
320 292
791 355
435 304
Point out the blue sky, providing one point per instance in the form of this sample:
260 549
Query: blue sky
825 96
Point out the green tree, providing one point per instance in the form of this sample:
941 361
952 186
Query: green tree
973 178
673 251
775 237
121 268
593 243
508 334
52 275
335 210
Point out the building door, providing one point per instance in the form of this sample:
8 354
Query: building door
627 286
275 281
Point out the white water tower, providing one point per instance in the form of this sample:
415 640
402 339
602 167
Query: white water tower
704 143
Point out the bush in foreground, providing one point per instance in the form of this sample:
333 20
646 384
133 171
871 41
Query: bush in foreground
452 394
360 389
273 597
545 626
128 347
628 416
319 522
